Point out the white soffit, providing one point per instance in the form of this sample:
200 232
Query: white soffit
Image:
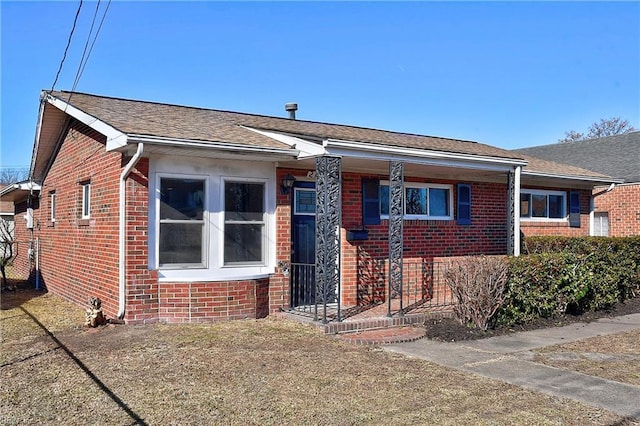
115 138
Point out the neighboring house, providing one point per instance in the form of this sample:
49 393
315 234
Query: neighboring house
616 209
181 214
16 211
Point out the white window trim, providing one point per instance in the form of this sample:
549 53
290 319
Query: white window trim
264 222
565 217
52 206
168 166
86 200
423 185
295 204
205 219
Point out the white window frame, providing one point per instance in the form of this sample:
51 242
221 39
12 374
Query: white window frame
546 193
52 205
205 223
263 222
427 186
597 224
86 200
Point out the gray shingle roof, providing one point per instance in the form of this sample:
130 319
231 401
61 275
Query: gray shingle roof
617 156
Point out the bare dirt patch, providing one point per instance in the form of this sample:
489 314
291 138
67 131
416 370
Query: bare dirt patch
272 371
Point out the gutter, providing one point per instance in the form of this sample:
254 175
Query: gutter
122 231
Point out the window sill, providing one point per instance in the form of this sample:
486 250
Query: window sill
212 275
83 222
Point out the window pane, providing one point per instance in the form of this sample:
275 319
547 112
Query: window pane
438 202
525 205
416 201
305 201
181 199
244 201
539 205
180 243
384 200
243 243
556 202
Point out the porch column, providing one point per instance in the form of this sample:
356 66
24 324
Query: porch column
516 212
396 244
328 239
513 212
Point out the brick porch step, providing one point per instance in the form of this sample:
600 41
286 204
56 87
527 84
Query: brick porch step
384 336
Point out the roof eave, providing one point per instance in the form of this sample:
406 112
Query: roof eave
592 179
425 156
115 138
212 145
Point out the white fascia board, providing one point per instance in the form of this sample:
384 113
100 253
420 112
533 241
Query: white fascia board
115 138
421 156
307 149
20 186
222 146
572 177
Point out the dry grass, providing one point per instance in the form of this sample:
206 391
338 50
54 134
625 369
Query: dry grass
273 371
614 357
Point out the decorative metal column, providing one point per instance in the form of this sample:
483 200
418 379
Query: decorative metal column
396 244
511 193
328 222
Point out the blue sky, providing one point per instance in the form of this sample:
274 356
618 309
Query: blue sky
510 74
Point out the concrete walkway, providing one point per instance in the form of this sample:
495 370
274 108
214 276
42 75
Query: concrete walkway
509 358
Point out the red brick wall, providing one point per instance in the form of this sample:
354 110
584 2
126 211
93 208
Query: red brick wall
623 206
79 258
212 301
363 262
530 228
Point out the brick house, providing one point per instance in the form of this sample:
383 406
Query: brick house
15 210
616 209
180 214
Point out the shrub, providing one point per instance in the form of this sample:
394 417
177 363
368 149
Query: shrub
477 284
570 275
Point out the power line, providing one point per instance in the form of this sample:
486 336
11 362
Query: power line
66 49
85 59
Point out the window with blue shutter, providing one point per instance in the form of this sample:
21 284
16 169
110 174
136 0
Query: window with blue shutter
574 209
464 204
370 202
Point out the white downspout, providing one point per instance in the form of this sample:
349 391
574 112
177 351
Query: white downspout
123 227
516 212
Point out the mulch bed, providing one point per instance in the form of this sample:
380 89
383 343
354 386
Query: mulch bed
450 330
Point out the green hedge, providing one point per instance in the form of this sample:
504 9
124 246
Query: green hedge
570 275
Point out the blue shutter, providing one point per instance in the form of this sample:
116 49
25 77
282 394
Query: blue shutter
574 209
464 204
370 202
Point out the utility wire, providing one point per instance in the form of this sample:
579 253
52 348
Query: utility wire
86 46
104 15
64 56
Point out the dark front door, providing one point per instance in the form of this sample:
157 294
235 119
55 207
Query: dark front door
303 244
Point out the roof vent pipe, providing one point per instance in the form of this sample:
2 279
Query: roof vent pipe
291 108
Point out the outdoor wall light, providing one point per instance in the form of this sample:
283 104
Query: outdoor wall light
287 184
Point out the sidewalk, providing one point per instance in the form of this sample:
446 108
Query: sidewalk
508 358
